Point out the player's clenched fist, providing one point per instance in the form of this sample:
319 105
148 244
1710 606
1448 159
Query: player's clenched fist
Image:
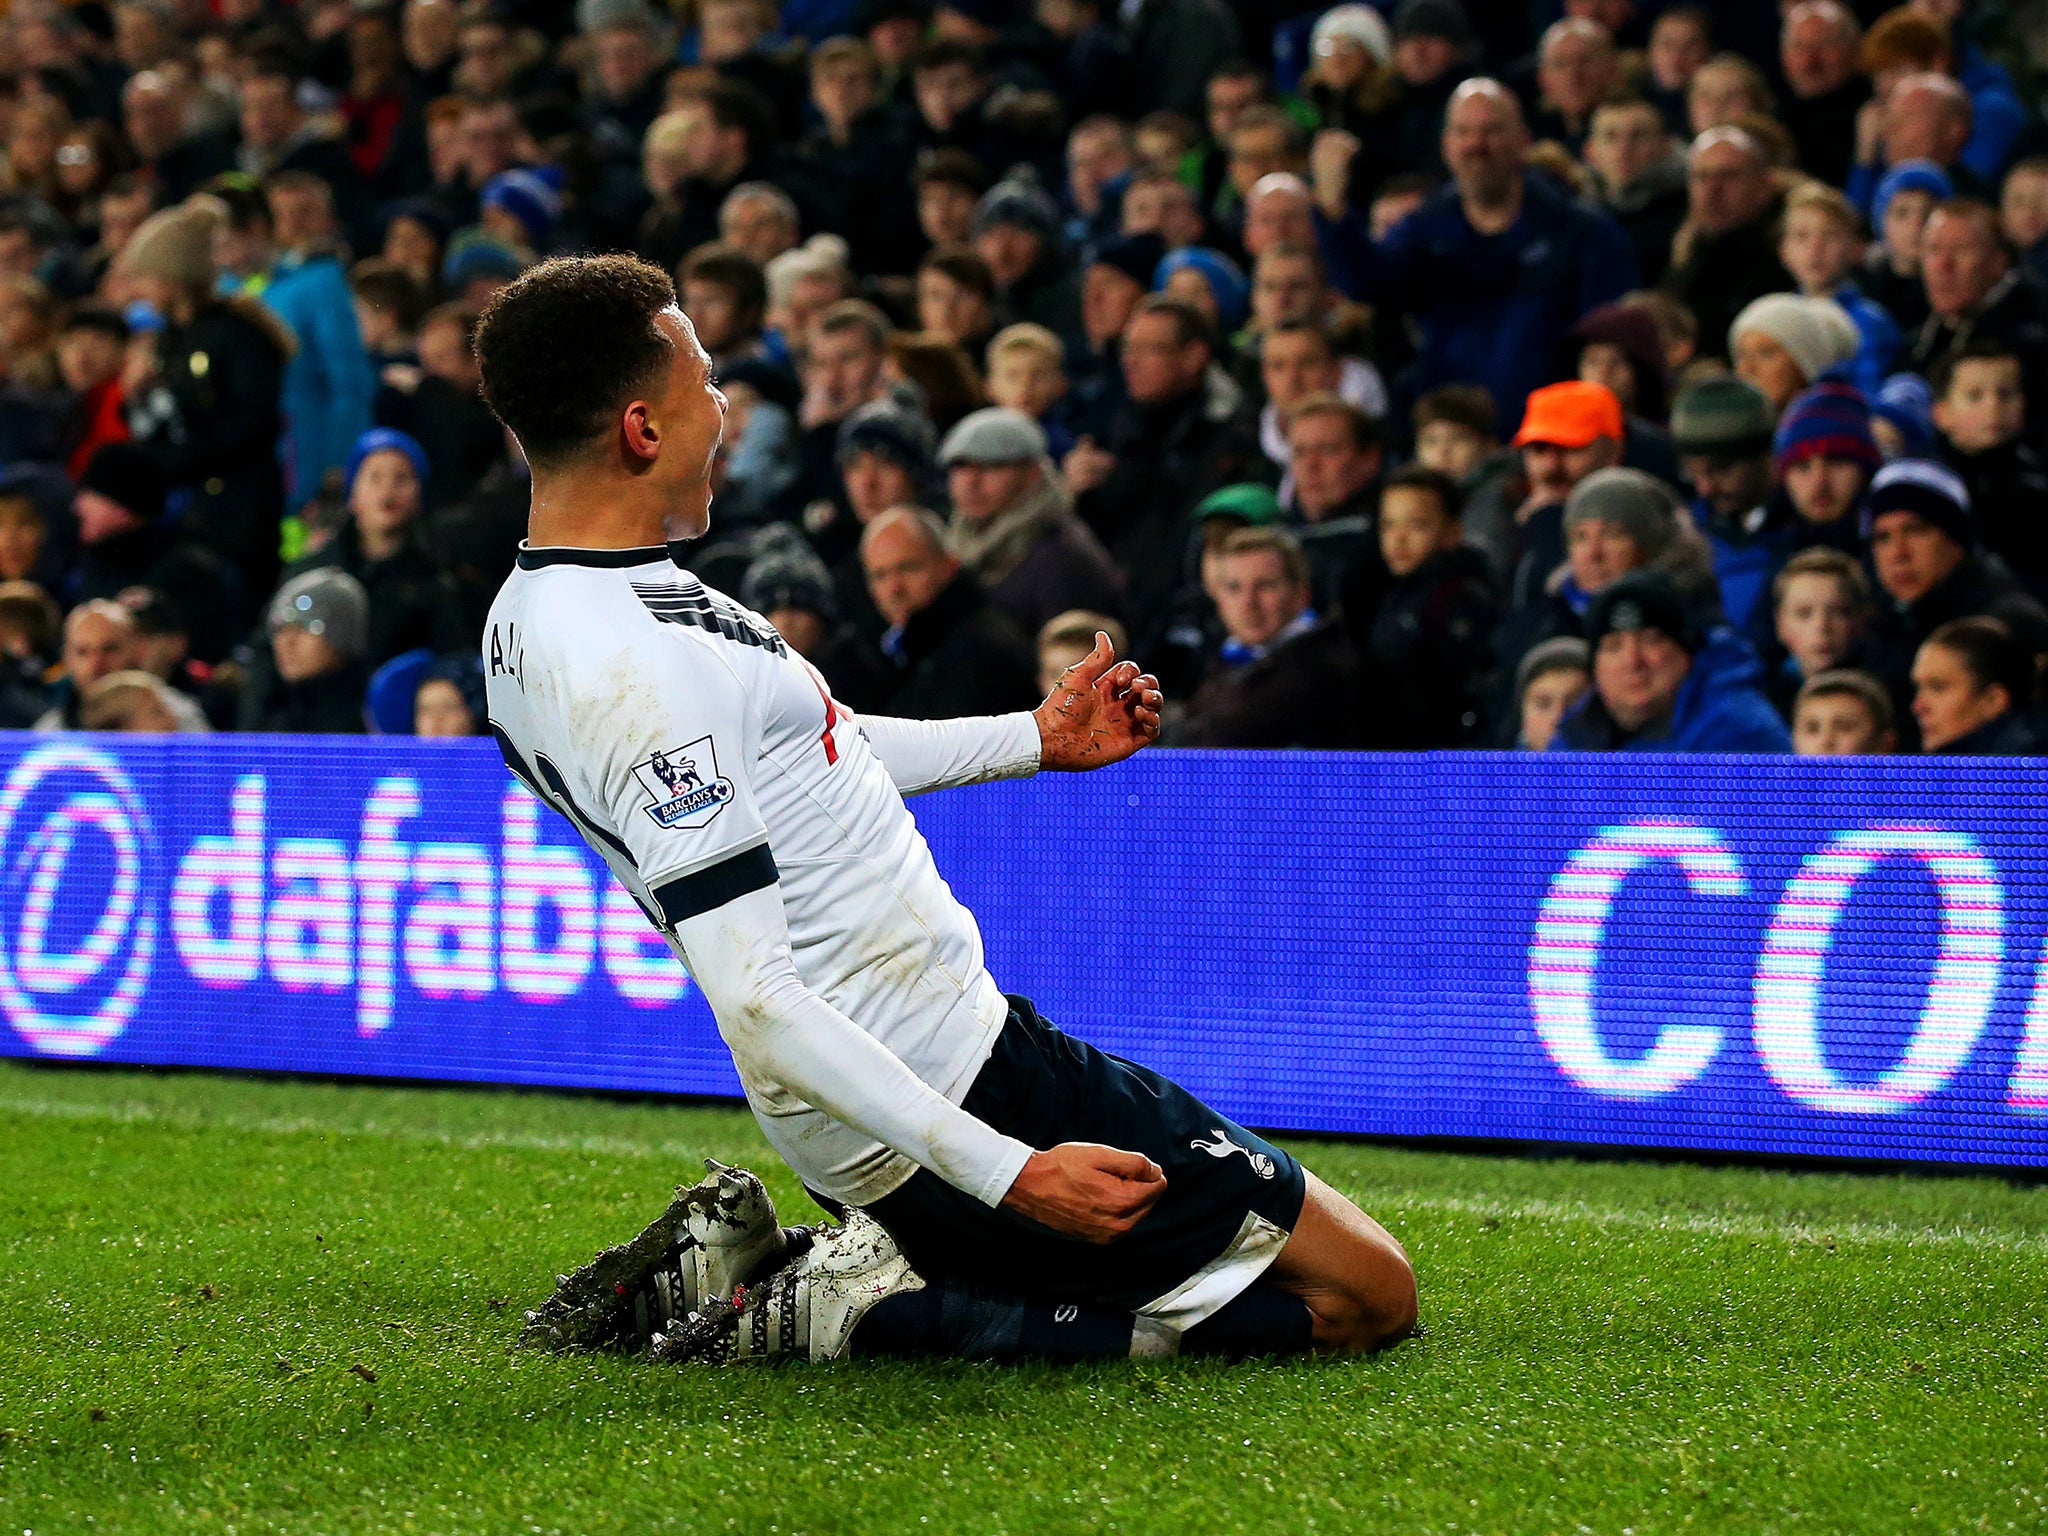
1087 1190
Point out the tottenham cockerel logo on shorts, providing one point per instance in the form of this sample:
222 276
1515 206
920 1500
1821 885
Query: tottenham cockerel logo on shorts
683 786
1262 1164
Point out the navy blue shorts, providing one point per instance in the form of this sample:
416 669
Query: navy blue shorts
1230 1200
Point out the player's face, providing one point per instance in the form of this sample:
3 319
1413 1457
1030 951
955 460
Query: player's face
690 414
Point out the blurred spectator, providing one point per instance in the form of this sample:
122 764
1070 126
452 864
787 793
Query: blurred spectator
948 651
29 641
726 297
1456 430
379 547
1980 407
164 648
1722 430
1971 680
1818 54
1639 178
311 676
450 700
1783 342
2023 214
204 390
1027 373
1931 568
1017 232
886 455
1577 68
437 405
1013 527
1824 453
1974 294
1727 251
135 701
936 371
1549 683
124 541
1843 714
1821 611
1568 431
91 347
329 383
1905 196
1660 685
99 640
24 537
1822 247
1285 677
1068 638
790 587
1426 643
1618 346
1902 418
841 371
1180 434
1616 520
1450 264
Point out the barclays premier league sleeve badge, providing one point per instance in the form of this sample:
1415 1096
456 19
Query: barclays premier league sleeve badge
683 788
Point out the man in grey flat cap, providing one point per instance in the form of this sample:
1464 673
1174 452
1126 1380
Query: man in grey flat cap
1014 525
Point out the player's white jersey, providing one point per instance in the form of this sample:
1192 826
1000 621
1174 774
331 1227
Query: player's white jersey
702 758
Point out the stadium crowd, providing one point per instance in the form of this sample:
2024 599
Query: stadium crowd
1600 376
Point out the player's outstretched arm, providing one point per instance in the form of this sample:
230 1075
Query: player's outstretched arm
1102 711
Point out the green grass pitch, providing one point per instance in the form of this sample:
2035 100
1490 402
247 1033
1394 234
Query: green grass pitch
237 1306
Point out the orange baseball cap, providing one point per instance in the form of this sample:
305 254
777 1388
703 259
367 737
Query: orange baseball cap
1571 415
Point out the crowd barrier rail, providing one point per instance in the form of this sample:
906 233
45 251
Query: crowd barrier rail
1770 957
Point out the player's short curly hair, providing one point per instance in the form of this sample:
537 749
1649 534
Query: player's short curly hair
567 346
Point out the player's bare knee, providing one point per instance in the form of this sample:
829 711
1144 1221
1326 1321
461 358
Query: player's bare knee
1384 1303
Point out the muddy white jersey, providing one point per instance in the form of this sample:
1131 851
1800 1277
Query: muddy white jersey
703 759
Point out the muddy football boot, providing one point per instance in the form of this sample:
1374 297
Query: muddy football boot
713 1237
807 1310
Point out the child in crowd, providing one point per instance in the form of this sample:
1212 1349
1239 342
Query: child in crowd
1980 409
1426 641
23 535
1820 613
1843 713
91 348
1457 427
1826 452
1550 680
1902 418
1026 373
1821 244
2023 213
389 307
1905 196
1067 638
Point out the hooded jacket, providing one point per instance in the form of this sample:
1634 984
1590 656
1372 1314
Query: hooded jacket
1720 708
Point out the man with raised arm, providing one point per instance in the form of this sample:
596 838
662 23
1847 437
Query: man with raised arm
1007 1190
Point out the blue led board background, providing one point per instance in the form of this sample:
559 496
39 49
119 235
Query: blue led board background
1777 956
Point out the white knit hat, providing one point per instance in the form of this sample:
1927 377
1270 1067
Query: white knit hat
1360 24
1817 332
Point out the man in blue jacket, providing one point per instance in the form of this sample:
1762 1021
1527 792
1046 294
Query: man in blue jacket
1659 685
329 384
1496 268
